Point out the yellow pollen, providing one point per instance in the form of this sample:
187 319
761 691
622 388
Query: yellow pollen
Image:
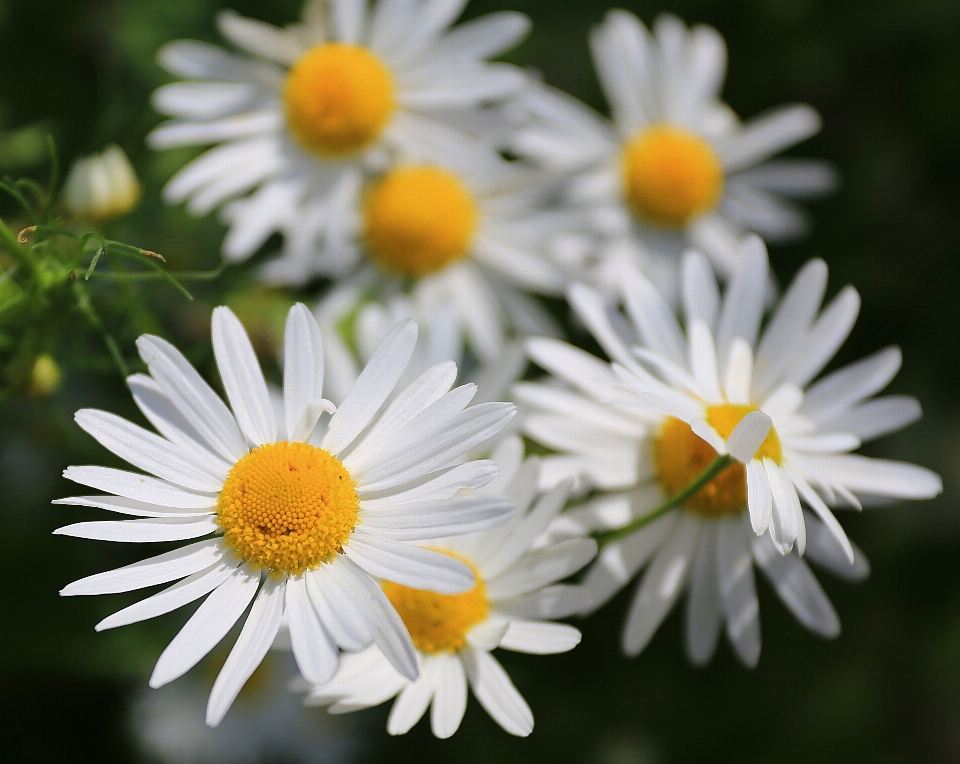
418 220
338 99
287 507
681 456
438 623
671 175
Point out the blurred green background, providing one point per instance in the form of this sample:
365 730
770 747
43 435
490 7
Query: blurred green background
884 74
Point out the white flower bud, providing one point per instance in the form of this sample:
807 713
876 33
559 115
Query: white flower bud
102 186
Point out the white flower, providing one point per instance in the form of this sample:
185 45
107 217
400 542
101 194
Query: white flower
318 103
299 529
675 166
512 606
643 428
102 186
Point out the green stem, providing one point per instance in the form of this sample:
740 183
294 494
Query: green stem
713 469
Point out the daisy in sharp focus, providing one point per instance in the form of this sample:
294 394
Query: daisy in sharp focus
675 167
306 110
512 606
645 427
300 530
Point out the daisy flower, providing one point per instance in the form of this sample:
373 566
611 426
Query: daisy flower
643 428
464 240
675 167
512 606
299 530
304 111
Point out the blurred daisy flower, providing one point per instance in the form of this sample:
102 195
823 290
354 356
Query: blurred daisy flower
306 110
643 428
300 522
101 187
512 606
675 167
468 242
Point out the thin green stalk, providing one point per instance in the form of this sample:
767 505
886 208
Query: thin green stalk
713 469
86 307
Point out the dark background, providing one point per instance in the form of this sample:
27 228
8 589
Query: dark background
884 74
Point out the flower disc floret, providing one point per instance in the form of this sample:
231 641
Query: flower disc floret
287 507
438 623
681 456
671 175
338 99
418 220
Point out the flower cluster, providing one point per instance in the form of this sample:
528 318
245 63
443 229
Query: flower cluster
395 533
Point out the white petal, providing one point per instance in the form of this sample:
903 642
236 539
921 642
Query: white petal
619 561
181 593
242 378
496 692
436 448
132 507
823 512
412 702
704 613
739 376
838 391
877 417
744 300
170 422
882 477
450 698
738 590
139 487
259 38
759 498
825 338
142 531
372 387
797 587
655 321
748 436
338 601
769 133
824 549
558 601
195 399
438 486
437 519
703 430
662 584
542 567
540 637
302 365
207 626
252 645
316 655
789 325
786 516
701 297
150 572
409 565
703 361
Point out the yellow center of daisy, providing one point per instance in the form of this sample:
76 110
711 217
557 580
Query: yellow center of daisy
338 99
682 455
671 175
287 507
438 623
418 220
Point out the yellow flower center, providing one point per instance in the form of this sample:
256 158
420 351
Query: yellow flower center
418 220
671 175
287 507
438 623
681 456
338 99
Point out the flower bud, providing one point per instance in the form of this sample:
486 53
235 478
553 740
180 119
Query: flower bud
45 377
103 186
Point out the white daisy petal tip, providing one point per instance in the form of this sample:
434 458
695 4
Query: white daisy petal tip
748 436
